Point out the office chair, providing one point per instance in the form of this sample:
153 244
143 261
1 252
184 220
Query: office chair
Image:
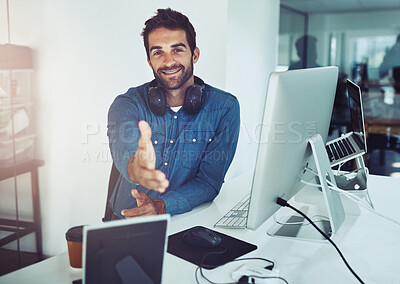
396 78
114 175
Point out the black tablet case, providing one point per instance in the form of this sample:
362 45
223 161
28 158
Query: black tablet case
234 249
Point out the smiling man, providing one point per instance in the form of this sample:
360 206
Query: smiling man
174 138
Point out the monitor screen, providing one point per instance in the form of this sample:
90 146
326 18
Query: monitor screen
298 105
356 112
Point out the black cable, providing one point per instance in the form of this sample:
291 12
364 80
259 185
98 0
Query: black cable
208 266
282 202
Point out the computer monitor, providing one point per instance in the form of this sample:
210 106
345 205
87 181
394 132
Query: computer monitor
356 112
298 105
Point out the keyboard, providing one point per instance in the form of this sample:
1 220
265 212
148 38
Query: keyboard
339 149
237 216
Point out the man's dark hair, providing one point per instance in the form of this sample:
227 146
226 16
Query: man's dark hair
172 20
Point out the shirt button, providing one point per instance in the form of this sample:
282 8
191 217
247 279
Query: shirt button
155 142
194 140
175 116
171 141
166 163
210 139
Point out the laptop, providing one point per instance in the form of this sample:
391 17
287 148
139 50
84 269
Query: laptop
125 251
352 144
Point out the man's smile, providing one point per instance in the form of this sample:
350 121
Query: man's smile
171 71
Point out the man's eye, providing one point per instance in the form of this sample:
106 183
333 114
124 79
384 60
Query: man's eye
158 52
178 50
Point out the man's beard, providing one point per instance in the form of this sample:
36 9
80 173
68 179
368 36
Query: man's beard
176 83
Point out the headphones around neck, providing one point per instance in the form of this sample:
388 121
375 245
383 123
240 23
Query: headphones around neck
193 102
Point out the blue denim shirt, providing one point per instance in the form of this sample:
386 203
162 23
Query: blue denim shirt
193 150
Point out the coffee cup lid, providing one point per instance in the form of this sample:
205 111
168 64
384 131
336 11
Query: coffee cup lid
75 234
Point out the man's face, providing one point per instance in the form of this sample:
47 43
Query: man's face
170 57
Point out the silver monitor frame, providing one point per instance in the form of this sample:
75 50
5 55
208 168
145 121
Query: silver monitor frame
298 106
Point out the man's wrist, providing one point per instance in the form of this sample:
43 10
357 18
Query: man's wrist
159 205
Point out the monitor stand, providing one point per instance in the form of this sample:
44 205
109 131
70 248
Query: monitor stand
332 200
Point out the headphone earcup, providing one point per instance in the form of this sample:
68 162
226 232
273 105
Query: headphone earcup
157 100
193 99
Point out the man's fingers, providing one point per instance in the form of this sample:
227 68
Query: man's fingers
152 179
145 155
163 186
136 212
139 195
144 203
156 185
154 175
145 158
145 135
144 162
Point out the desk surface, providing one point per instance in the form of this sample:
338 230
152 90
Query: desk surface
370 244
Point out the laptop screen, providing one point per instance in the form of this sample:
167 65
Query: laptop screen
356 111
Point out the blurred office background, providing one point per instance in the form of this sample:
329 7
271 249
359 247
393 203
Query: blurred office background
356 36
78 55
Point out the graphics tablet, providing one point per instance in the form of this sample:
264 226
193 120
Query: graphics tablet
125 251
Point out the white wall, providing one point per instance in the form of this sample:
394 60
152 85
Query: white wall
253 30
87 54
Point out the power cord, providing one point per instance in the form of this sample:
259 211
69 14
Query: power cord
282 202
244 279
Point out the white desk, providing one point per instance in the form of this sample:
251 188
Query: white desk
370 244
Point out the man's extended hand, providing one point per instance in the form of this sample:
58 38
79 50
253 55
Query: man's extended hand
142 165
146 206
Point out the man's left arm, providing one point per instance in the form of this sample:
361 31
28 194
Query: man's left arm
211 171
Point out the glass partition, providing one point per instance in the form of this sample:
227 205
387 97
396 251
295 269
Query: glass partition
292 25
20 226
